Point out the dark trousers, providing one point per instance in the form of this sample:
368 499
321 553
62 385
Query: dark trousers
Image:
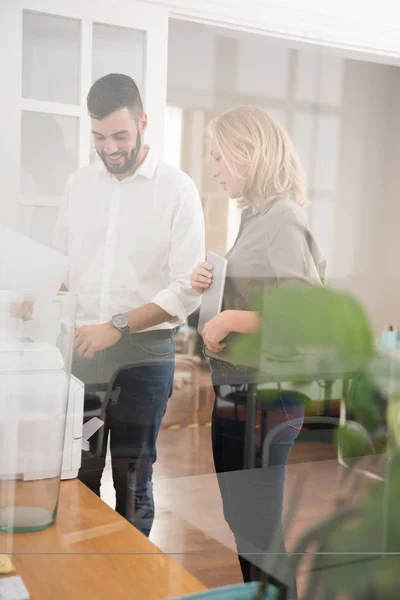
132 428
253 498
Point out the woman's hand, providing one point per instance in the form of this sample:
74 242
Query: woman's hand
236 321
201 277
216 330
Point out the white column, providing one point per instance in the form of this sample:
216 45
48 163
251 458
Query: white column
10 118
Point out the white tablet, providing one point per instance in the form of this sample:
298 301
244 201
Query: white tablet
211 303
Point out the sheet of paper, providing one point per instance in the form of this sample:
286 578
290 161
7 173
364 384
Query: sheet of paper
13 588
28 267
91 427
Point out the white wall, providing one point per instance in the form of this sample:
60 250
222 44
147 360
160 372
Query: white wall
343 116
366 197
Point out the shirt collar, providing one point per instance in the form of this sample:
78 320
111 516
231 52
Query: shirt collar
149 165
267 207
270 204
147 169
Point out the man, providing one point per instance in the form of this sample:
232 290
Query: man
133 229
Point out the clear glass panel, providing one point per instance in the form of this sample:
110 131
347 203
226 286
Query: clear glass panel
263 68
322 219
320 78
303 135
94 157
34 390
327 141
233 223
118 50
38 222
48 152
50 58
317 139
173 136
279 114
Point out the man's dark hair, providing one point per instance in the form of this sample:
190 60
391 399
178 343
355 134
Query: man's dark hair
114 92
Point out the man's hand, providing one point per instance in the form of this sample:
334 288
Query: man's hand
90 339
23 310
201 277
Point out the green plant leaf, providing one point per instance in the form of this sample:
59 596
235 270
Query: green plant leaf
351 443
307 331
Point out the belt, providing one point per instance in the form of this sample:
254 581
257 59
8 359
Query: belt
224 373
155 334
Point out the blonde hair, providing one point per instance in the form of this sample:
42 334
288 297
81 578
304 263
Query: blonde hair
260 152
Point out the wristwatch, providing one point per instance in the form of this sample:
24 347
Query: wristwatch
121 322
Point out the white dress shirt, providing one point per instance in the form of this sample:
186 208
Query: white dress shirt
131 242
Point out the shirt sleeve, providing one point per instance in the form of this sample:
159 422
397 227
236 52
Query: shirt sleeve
187 249
293 254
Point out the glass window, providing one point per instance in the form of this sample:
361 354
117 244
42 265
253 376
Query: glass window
38 222
118 50
50 58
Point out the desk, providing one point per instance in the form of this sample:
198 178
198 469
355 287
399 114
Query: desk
92 553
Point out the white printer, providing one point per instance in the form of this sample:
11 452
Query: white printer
35 360
73 430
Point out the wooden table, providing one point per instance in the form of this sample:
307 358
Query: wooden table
92 553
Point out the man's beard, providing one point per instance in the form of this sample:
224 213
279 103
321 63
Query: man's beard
128 159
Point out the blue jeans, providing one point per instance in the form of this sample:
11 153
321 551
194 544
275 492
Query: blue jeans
133 424
253 498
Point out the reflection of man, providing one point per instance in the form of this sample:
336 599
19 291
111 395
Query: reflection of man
45 164
133 229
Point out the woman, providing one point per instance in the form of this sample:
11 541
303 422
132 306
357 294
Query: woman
255 161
